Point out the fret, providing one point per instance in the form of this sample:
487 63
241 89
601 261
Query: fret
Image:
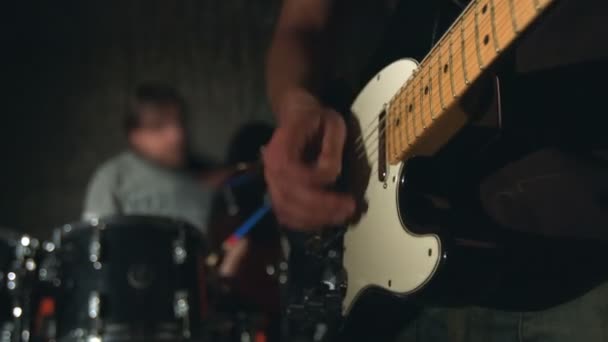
406 122
395 127
513 17
412 106
394 110
477 39
493 22
451 63
440 77
403 129
464 57
398 113
384 124
422 99
404 118
388 127
430 93
408 102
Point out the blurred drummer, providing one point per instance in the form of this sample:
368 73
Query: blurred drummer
154 176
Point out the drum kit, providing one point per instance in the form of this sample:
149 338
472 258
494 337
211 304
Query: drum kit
129 278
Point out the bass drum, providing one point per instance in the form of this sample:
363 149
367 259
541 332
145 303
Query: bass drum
130 278
18 266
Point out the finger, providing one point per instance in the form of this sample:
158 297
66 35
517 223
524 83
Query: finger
278 166
329 163
311 207
280 148
283 211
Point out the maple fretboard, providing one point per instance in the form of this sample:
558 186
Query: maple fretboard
424 113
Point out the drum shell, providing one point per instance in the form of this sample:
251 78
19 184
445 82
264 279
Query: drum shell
136 278
19 295
7 257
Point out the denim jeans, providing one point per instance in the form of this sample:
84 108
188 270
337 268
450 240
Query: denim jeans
584 319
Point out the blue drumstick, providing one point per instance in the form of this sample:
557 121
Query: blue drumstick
244 228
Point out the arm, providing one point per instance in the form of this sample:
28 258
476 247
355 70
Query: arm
296 65
297 60
100 200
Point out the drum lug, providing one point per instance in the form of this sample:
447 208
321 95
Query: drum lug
233 207
94 305
12 282
179 249
26 251
95 245
94 312
181 309
94 338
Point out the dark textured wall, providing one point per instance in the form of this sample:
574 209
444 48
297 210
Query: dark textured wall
72 65
68 67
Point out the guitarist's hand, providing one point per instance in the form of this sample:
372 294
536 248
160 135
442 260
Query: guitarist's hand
298 184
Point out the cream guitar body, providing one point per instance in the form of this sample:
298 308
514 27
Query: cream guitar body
411 110
420 233
381 228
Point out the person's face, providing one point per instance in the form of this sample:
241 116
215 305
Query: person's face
160 136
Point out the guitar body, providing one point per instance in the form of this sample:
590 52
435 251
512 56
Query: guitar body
421 233
424 238
381 227
420 217
416 155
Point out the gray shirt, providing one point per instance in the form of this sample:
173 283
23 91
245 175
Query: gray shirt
130 185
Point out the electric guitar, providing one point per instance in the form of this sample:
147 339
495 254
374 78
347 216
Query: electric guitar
407 111
421 233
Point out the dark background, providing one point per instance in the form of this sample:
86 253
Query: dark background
71 66
68 68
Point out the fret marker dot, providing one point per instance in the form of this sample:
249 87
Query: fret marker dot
486 39
445 69
426 90
484 9
411 108
397 121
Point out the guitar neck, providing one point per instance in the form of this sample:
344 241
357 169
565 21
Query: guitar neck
424 113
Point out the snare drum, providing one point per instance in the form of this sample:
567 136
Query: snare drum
129 278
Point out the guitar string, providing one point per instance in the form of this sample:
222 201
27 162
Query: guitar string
360 149
410 119
360 140
461 15
361 143
433 91
457 69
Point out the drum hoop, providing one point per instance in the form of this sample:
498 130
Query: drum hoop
162 222
10 235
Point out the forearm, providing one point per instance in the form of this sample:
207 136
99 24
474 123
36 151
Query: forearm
298 58
293 65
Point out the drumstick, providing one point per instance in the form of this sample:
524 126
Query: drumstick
214 258
240 232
